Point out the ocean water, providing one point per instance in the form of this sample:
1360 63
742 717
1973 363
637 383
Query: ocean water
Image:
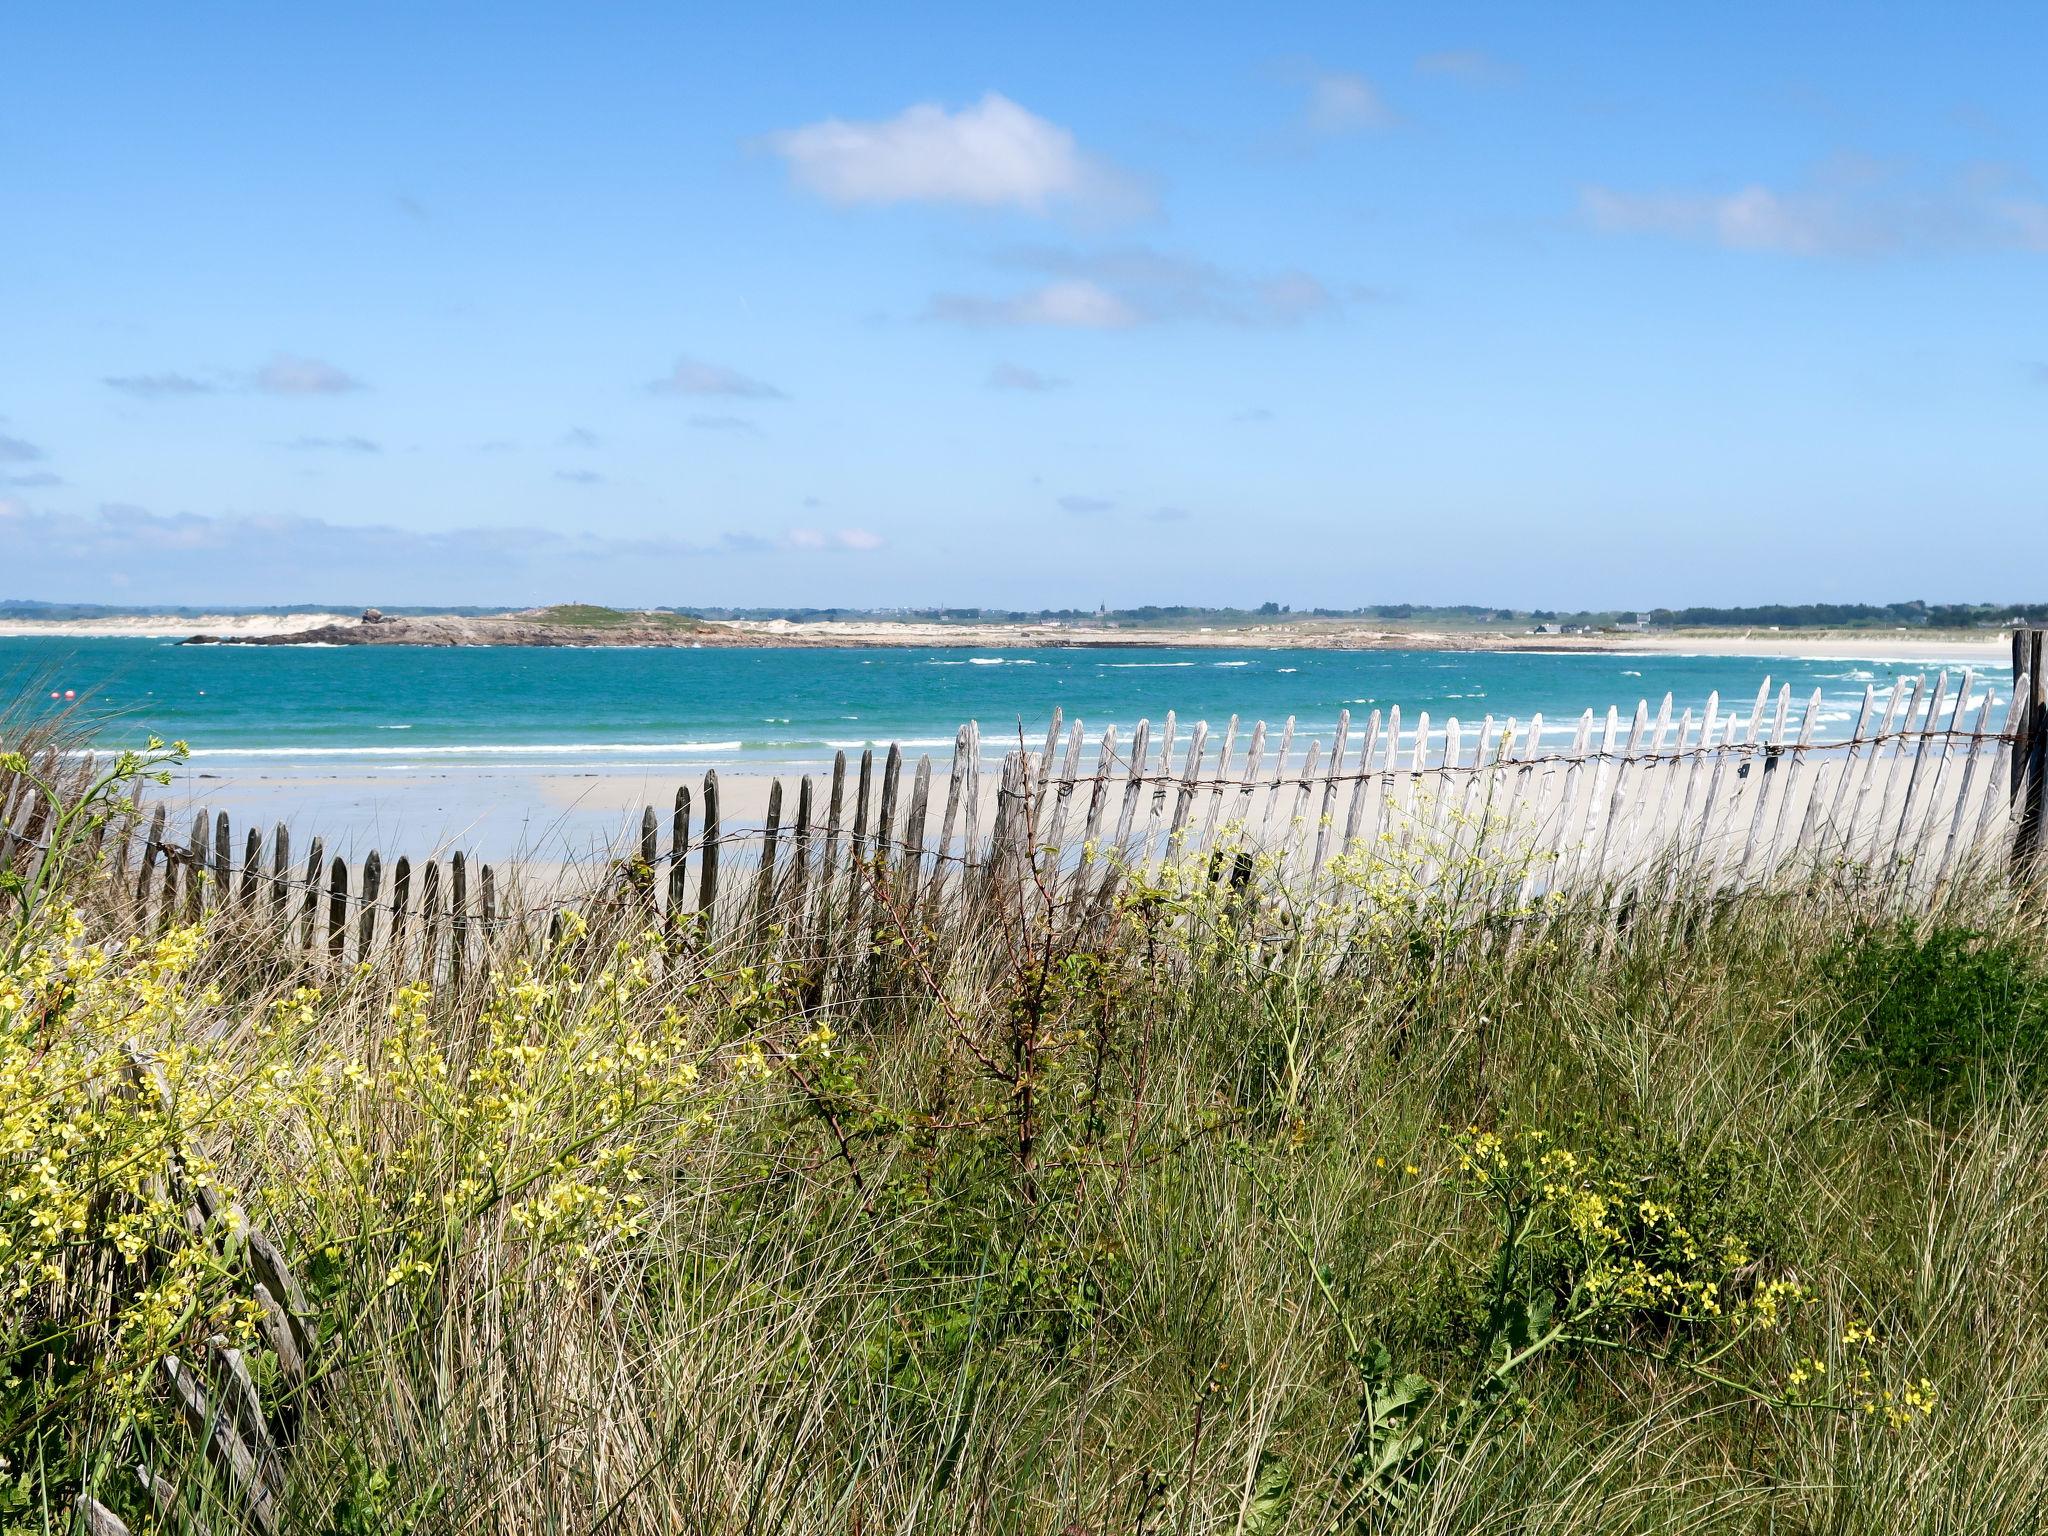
249 710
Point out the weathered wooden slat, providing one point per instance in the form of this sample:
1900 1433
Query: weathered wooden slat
1134 783
1361 785
1208 838
1042 786
1616 807
1959 818
487 910
1851 835
223 864
1184 795
366 924
430 923
252 869
1267 836
835 811
885 817
913 860
458 919
152 847
1763 770
1695 767
1383 810
1155 817
309 906
647 861
1647 766
1098 796
401 898
280 873
1888 788
1326 814
764 876
337 909
2003 790
1565 818
797 902
195 869
1241 827
1902 850
1927 828
679 854
860 808
1053 843
707 857
970 796
1838 801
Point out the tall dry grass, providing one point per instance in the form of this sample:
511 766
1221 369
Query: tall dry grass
1134 1224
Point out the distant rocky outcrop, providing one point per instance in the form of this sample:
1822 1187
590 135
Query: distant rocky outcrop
576 624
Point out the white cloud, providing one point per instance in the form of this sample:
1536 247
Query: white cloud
156 386
993 154
285 374
1123 286
1016 377
1467 64
1074 304
693 376
1852 208
854 539
332 444
1340 102
182 553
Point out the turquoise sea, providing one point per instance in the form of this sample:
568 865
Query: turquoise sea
249 708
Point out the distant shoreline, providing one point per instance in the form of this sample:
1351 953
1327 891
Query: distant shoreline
1985 650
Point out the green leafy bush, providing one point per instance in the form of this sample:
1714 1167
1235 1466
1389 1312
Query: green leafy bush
1932 1005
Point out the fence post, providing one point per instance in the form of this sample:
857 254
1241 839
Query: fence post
2029 747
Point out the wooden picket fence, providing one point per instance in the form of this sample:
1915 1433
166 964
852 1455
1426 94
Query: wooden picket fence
1933 778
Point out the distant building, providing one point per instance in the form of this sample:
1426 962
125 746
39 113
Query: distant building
1547 629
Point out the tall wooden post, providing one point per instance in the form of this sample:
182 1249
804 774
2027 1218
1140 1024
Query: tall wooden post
2029 748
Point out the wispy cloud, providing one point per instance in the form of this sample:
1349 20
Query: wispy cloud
1257 415
40 479
1467 64
1850 208
1027 380
181 552
286 374
1340 102
580 476
693 376
859 540
723 424
1125 286
1086 506
332 445
1168 514
581 437
1072 304
14 450
992 154
158 386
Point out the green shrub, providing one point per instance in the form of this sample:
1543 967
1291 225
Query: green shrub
1932 1007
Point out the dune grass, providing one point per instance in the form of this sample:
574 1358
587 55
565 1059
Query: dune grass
1181 1218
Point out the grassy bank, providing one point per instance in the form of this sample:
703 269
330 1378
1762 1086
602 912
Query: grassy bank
1182 1218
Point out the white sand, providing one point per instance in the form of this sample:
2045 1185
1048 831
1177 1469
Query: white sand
168 626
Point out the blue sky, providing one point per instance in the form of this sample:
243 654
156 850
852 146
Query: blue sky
1059 305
